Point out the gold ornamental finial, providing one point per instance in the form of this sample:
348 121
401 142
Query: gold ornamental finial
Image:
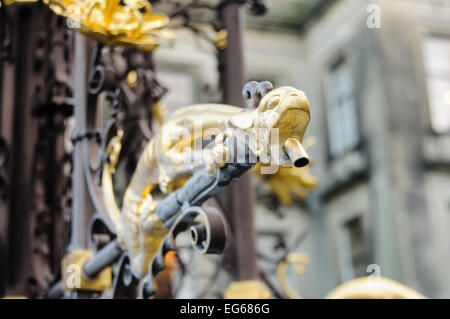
374 288
113 22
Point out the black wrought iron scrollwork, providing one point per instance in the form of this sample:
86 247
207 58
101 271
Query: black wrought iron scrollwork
207 231
130 106
52 107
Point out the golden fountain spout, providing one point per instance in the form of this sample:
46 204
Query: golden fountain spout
296 152
167 162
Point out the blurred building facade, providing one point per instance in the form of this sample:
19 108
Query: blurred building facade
377 74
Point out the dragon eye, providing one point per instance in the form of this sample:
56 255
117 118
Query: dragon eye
273 102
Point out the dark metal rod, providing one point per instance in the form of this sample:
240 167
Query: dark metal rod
102 259
78 224
171 205
239 197
56 291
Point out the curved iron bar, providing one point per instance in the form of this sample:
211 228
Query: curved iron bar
211 240
179 209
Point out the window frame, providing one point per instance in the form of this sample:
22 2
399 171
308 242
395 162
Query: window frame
332 63
429 33
337 223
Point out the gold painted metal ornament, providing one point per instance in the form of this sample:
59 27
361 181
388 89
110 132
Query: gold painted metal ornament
289 183
374 288
371 287
247 289
171 158
300 261
73 277
129 23
221 39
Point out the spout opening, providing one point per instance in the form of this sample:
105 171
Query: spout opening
296 152
301 162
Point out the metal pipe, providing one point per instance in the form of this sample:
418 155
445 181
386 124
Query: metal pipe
78 225
171 205
102 259
296 152
240 197
56 291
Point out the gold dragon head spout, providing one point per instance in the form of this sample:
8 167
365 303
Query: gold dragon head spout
279 123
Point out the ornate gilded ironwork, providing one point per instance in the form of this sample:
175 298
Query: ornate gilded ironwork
146 228
166 160
129 23
126 23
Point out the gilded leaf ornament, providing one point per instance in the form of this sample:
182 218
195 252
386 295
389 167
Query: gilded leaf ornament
129 23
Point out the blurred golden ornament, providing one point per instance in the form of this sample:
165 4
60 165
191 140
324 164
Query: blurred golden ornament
247 289
132 77
159 112
129 23
11 2
370 287
221 39
300 261
289 182
374 288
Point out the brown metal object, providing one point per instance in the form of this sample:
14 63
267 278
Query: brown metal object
240 197
35 106
51 64
33 225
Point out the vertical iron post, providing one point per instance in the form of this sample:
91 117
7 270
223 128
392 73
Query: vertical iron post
78 235
240 196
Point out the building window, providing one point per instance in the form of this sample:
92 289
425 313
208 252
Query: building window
353 254
437 70
341 106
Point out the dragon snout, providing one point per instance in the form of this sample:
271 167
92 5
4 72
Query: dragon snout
296 100
296 152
